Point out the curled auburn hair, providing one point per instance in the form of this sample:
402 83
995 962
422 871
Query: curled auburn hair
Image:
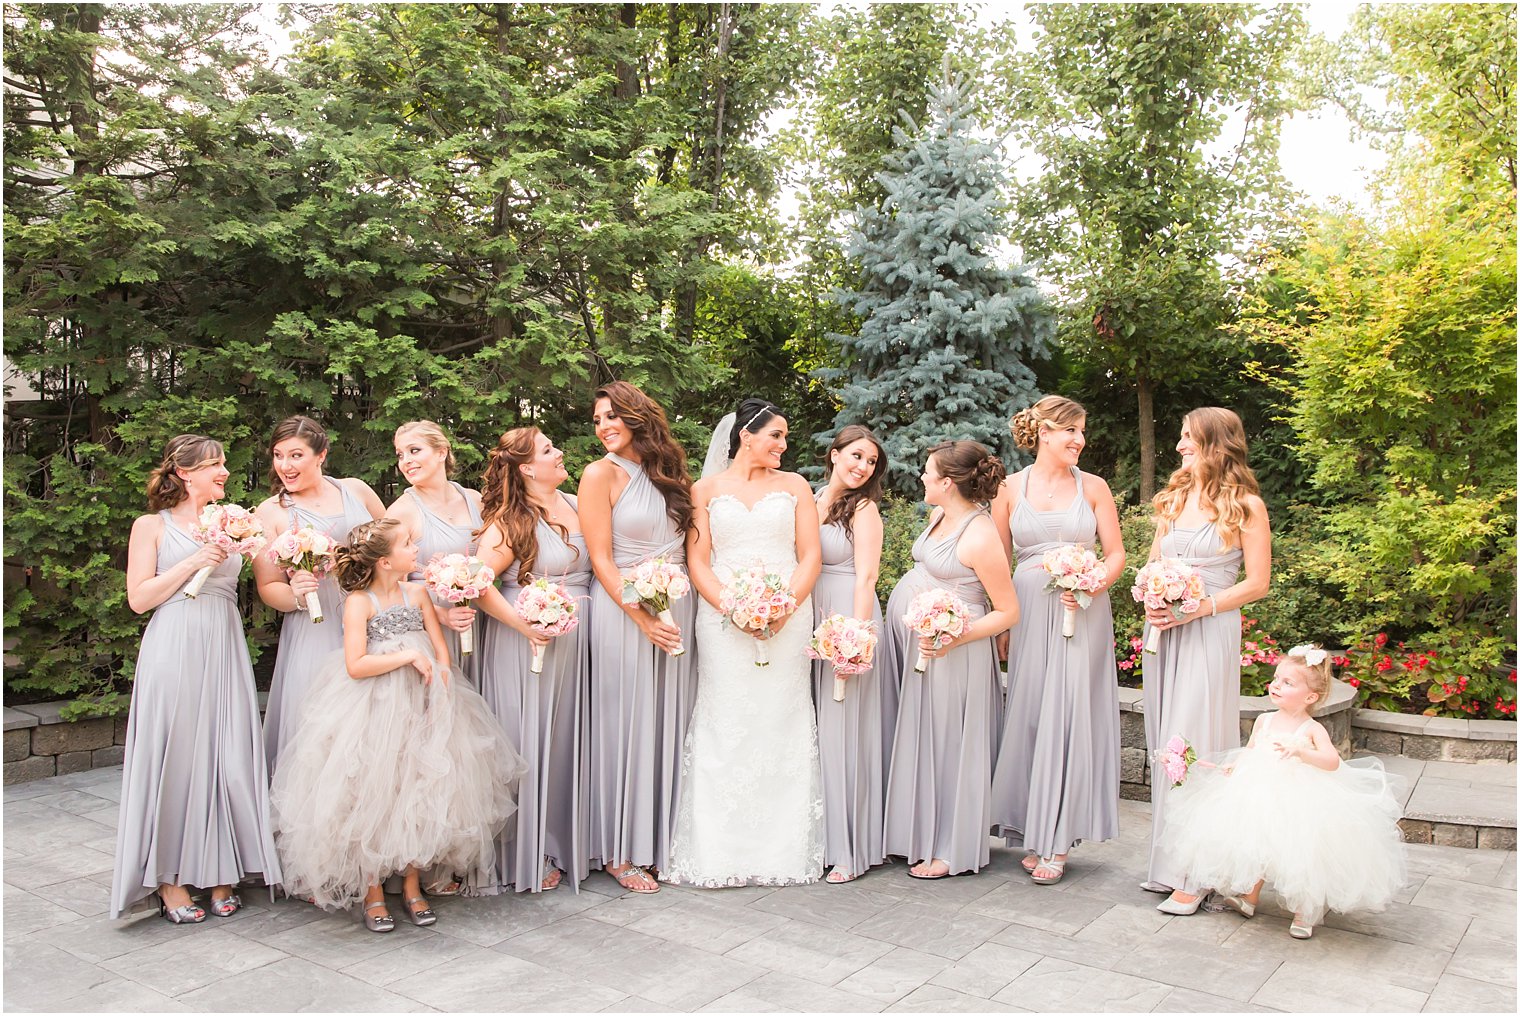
368 542
504 500
184 451
1219 473
844 507
663 460
974 470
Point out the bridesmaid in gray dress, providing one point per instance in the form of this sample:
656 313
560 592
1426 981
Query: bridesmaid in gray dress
939 789
194 793
442 517
303 496
532 529
635 505
854 736
1211 516
1057 778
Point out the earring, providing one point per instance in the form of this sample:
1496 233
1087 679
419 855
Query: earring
531 474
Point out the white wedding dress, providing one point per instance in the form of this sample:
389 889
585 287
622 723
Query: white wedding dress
751 808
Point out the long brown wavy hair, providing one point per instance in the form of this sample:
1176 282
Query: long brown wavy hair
311 434
664 460
184 451
1219 474
843 509
504 499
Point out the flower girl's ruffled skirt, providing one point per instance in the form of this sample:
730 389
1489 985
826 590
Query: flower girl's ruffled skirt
1322 840
385 772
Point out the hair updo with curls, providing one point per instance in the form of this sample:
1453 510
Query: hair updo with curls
751 415
354 565
974 470
184 451
1053 412
1316 676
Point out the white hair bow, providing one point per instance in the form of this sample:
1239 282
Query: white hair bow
1313 655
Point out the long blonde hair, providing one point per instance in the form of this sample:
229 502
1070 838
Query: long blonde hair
1219 473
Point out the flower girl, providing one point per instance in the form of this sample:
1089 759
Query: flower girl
1285 809
396 765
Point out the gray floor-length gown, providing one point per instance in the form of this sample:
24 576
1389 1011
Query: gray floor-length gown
546 716
1057 777
850 733
939 788
1192 684
641 696
303 643
440 537
194 791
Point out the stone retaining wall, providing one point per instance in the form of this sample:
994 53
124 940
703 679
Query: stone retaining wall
1433 738
38 743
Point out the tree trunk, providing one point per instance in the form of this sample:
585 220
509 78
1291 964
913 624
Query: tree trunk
1146 390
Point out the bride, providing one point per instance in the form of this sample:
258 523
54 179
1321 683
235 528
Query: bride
751 807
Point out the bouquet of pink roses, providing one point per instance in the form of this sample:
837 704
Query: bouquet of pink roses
848 643
307 550
752 601
550 609
653 585
456 579
236 530
1168 584
1076 569
1176 759
938 615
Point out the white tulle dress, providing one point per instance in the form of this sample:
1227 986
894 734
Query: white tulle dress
1323 840
389 771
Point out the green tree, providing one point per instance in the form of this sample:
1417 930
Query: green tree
946 335
1140 200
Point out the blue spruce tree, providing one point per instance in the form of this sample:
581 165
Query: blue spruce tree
946 334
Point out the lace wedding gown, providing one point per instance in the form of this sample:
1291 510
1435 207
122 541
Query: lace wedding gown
751 807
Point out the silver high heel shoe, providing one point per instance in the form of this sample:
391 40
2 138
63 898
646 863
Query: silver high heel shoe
421 918
1171 906
187 914
1300 928
227 905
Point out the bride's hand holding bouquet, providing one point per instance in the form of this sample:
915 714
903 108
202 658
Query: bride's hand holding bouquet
758 603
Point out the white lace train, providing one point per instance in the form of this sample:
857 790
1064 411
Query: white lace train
751 808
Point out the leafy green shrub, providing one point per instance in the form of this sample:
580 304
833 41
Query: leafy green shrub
901 521
1448 679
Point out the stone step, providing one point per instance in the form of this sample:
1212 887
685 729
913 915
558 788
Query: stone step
1456 804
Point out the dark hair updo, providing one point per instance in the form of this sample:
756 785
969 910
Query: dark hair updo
751 415
974 470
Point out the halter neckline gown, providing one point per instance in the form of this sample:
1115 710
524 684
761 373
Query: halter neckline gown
939 788
641 697
854 736
194 790
439 536
1056 783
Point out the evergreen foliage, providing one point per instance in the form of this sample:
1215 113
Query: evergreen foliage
946 334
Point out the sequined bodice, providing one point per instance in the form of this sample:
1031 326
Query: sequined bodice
394 622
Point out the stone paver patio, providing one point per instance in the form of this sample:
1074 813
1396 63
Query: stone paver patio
988 943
